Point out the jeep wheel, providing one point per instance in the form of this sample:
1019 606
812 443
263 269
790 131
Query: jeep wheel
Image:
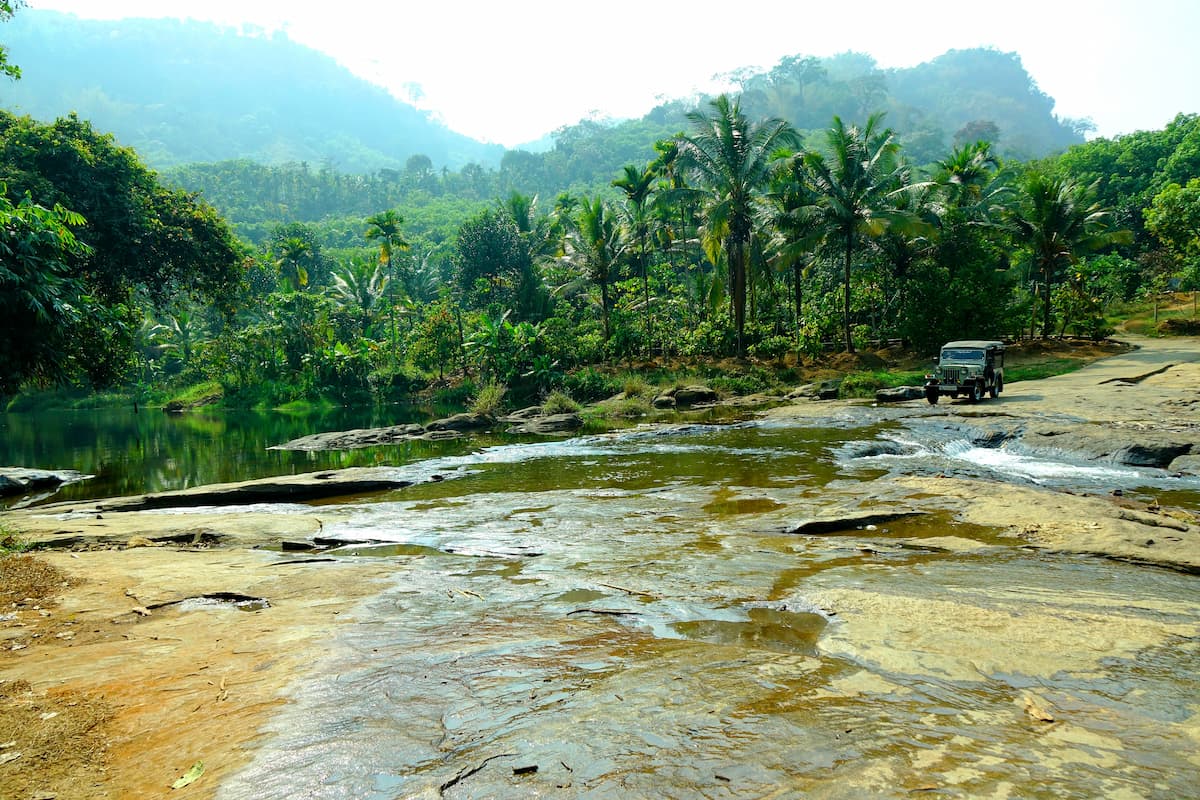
994 389
931 394
976 392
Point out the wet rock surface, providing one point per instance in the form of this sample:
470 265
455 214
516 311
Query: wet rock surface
629 614
551 424
899 394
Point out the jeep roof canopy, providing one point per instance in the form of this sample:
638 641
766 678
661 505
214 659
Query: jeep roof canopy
975 344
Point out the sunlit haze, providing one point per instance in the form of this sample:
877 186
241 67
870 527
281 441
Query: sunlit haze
513 72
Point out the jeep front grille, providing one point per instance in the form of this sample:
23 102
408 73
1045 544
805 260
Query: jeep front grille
952 374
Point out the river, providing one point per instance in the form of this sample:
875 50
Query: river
625 615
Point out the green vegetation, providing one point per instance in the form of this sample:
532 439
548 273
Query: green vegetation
559 403
489 399
12 542
747 228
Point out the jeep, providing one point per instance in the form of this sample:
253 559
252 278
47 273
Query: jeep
970 368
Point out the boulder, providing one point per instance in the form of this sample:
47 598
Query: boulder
353 439
806 392
664 401
550 424
1185 465
691 395
524 415
899 394
20 480
462 422
828 390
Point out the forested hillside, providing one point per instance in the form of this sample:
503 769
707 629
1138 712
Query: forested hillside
188 92
820 207
181 92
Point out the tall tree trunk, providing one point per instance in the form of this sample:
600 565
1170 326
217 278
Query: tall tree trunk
737 267
1046 309
797 297
604 306
645 294
846 293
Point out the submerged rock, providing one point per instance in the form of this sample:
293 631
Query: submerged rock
1135 448
849 521
285 488
879 447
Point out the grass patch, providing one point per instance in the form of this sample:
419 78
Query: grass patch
637 386
199 394
1044 369
865 384
11 541
68 400
489 400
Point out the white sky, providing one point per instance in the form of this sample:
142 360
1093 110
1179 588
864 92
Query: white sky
510 72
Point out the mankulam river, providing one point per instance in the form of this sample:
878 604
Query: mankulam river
624 615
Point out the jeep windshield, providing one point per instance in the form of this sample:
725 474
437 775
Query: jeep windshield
957 354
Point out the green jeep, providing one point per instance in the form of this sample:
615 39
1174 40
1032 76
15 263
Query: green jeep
970 368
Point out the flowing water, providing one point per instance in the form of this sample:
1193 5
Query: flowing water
626 614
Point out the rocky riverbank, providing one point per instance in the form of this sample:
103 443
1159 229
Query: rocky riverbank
174 622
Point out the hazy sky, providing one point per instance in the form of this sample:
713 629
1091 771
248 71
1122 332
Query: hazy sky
510 72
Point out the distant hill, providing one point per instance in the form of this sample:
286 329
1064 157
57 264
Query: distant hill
181 92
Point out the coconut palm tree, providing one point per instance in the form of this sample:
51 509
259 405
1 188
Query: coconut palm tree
594 246
385 226
1058 220
638 185
855 184
730 158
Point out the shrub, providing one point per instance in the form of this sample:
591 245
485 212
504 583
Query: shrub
636 386
489 400
771 347
559 403
589 384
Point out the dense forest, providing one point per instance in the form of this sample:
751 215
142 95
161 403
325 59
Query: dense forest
743 226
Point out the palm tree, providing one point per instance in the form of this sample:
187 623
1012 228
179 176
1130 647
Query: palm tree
1057 220
795 227
966 173
855 187
290 256
730 157
361 286
385 226
638 185
594 246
